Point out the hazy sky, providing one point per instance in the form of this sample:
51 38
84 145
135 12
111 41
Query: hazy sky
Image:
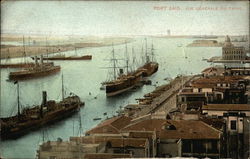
124 18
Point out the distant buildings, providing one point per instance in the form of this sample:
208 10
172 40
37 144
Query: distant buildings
230 52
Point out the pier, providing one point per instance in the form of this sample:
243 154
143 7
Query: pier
162 99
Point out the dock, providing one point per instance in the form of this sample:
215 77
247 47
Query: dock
162 99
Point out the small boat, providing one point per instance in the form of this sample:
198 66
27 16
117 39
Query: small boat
97 118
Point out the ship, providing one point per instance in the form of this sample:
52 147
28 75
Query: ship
38 70
38 116
63 57
125 82
17 65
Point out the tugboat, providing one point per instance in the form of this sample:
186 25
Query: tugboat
130 80
38 116
39 70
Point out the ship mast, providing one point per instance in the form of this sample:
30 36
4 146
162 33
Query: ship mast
18 99
62 89
24 51
126 57
46 46
114 61
146 52
152 53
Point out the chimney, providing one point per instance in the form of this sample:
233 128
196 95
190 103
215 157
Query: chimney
36 62
43 103
41 59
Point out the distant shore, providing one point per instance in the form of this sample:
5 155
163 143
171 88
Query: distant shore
13 51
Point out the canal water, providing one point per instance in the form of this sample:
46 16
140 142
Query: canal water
84 79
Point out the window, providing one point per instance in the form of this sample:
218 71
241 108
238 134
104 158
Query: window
233 124
182 99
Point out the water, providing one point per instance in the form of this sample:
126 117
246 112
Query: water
83 78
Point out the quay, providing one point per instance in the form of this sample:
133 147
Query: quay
161 100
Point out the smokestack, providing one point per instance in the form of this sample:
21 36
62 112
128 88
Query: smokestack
41 59
36 62
44 102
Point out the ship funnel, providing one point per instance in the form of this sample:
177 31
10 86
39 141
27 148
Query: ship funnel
121 71
44 98
36 62
147 59
43 103
41 59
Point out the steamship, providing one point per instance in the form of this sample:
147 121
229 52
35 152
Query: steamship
38 70
36 117
125 82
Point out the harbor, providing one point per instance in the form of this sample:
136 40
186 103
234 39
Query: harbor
84 80
93 107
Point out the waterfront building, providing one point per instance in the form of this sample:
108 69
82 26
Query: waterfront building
237 117
231 52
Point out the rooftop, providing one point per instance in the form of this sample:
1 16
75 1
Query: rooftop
111 126
175 129
227 107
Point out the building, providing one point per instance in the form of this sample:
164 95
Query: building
181 138
67 149
237 126
124 144
230 52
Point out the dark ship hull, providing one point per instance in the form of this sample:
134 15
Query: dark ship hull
17 65
127 82
37 117
34 72
86 57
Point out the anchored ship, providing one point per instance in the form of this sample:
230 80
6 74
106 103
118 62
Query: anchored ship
63 57
38 70
125 82
38 116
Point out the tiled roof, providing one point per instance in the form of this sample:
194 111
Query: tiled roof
141 134
111 126
179 129
227 107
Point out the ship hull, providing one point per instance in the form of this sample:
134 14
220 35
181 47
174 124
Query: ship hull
130 81
21 128
33 74
17 65
87 57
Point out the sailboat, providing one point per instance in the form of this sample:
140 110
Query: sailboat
38 116
125 82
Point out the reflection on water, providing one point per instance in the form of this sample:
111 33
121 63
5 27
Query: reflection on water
84 79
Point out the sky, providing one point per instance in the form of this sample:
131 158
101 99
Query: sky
125 18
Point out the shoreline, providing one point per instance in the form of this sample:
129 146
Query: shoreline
14 51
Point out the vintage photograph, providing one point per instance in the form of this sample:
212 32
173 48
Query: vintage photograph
124 79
